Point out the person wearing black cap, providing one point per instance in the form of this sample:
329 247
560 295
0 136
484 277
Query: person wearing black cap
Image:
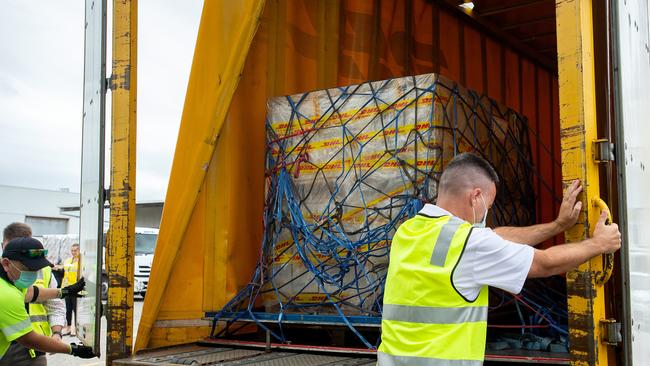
20 230
47 310
21 259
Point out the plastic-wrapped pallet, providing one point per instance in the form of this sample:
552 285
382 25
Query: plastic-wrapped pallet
347 165
58 246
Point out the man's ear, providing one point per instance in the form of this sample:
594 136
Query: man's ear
5 263
474 194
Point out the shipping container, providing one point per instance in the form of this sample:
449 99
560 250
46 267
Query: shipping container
575 70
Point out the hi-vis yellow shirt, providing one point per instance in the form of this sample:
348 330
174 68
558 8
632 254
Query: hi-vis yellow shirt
14 320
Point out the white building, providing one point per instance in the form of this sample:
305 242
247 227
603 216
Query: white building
147 214
39 208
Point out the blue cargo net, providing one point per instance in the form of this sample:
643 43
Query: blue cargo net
345 167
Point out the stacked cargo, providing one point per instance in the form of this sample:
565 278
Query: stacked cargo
345 166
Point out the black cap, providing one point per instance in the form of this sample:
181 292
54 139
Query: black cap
19 249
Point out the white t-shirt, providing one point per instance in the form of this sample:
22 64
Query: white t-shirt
488 260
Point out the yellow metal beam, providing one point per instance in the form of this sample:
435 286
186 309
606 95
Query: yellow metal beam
120 246
578 131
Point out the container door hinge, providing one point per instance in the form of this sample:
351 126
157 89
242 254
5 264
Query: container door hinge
110 83
611 332
603 151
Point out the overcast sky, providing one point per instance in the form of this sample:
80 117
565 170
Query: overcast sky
41 80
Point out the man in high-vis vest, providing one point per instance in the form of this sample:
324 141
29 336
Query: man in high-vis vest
46 311
443 260
21 259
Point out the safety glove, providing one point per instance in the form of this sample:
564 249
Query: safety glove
74 289
81 351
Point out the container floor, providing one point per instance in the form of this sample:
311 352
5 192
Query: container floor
229 353
229 356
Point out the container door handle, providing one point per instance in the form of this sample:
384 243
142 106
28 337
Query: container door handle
608 259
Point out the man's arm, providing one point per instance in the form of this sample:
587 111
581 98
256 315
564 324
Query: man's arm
45 294
563 258
57 332
42 343
533 235
55 311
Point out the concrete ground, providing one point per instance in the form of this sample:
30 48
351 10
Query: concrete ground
66 360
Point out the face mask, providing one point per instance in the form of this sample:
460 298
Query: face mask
484 220
26 279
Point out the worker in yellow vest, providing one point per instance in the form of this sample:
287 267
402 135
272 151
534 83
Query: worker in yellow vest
443 260
21 259
71 274
46 310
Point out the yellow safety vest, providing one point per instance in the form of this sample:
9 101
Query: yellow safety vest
425 320
37 311
70 266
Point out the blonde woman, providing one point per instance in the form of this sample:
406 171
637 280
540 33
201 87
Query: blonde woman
71 276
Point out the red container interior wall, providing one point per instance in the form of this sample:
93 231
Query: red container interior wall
365 40
304 45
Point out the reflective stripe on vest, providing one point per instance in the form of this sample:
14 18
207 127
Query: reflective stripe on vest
37 311
434 315
444 241
425 320
38 318
15 328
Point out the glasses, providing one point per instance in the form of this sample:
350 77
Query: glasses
34 253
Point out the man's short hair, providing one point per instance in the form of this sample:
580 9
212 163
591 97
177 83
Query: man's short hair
16 230
466 169
74 245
